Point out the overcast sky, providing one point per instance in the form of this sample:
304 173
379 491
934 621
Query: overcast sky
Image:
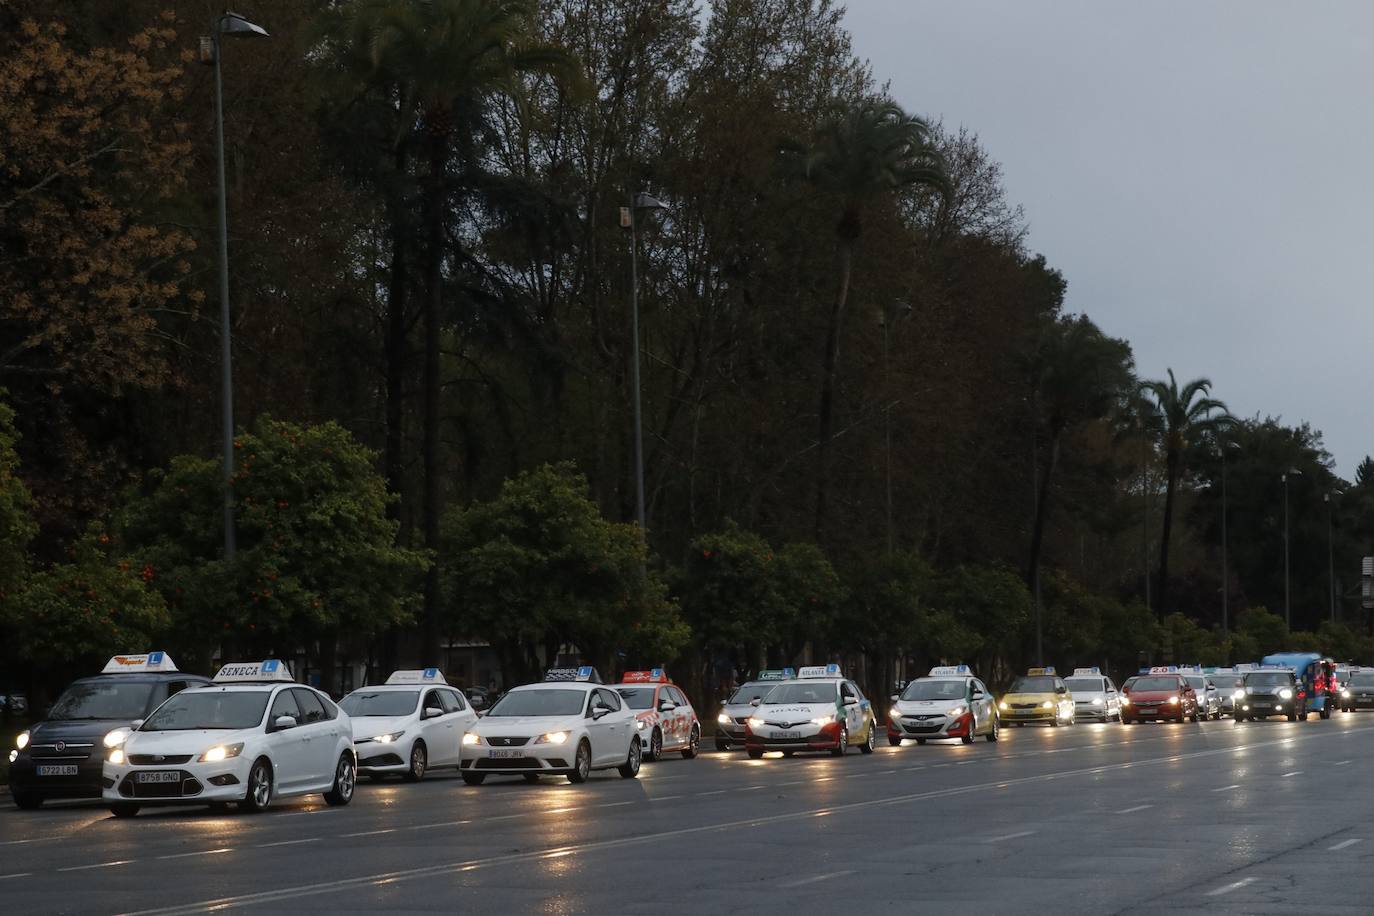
1200 171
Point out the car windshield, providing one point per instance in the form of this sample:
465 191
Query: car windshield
1362 680
1268 679
820 692
539 701
192 710
748 693
363 703
1155 683
1229 682
102 700
1197 683
934 690
1037 684
1086 685
637 697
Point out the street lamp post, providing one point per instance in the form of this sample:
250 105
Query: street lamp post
229 25
1287 605
1225 570
1331 550
641 201
895 311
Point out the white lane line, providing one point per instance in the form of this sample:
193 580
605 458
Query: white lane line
717 792
1294 773
752 788
203 852
297 891
1133 810
1344 844
815 878
633 801
1010 836
53 839
1227 888
1224 788
346 836
18 874
1341 763
664 797
309 839
96 865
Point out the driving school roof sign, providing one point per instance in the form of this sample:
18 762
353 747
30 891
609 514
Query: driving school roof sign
271 669
420 676
138 664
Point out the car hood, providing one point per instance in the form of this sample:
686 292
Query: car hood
1033 697
738 710
925 707
187 742
372 726
516 726
81 730
1153 696
789 711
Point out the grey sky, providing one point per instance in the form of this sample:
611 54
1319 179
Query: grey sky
1200 172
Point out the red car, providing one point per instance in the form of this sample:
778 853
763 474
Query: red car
1149 697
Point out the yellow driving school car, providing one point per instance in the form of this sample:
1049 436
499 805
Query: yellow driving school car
1039 696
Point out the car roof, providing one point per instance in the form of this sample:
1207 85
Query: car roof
584 686
250 688
394 688
143 677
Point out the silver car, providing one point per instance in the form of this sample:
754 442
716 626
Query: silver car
1208 697
1228 686
739 706
1095 697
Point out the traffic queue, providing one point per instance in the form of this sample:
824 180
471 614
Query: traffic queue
142 733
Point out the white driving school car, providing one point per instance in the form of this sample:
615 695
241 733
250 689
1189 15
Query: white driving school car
819 710
949 703
569 724
251 736
413 723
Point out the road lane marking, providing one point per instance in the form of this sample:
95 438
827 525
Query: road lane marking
815 878
1227 888
48 839
292 892
96 865
1224 788
716 792
1294 773
664 797
309 839
1341 763
347 836
1344 844
1010 836
1134 810
18 874
203 852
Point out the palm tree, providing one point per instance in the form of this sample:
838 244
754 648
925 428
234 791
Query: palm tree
1184 415
864 152
440 63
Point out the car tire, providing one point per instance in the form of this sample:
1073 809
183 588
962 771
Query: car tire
992 734
754 753
869 743
920 741
1196 716
27 801
722 745
419 762
1326 712
693 743
630 768
345 781
1293 717
258 795
582 764
530 777
474 779
124 809
972 728
655 746
895 742
841 743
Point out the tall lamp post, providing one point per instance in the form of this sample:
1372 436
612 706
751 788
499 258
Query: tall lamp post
1331 549
1287 605
896 310
229 25
1225 570
629 215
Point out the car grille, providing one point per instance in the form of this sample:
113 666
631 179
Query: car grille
1024 705
187 787
741 720
380 760
507 742
788 724
920 729
65 752
509 763
147 760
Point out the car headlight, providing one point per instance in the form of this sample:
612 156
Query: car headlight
1286 693
957 711
824 720
117 756
217 753
388 739
1125 701
22 740
1345 692
641 724
1098 701
755 722
723 719
1047 705
1003 705
116 737
894 713
552 738
14 755
472 739
1238 695
1173 701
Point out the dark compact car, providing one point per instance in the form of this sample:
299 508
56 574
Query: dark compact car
1148 697
1358 692
62 756
1271 693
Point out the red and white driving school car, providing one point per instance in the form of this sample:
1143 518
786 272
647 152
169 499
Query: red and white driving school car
663 715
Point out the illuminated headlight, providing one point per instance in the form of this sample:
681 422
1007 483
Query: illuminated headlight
723 719
1345 693
388 739
213 755
824 720
116 737
1047 705
1286 693
471 739
957 711
552 738
640 724
1003 705
22 741
1125 701
14 755
894 713
1238 695
755 722
117 756
1098 701
1173 701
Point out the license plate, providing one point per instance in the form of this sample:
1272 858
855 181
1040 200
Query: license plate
159 776
499 754
1148 710
65 769
782 736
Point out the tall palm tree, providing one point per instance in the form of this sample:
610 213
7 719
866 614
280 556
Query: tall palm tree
863 153
441 63
1184 415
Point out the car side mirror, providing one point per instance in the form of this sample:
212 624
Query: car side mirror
433 712
1062 690
895 698
851 701
599 711
756 701
136 723
667 706
284 722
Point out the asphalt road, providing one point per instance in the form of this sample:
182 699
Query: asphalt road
1270 817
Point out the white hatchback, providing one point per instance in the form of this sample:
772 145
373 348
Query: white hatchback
412 724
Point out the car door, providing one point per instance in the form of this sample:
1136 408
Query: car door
682 716
461 717
980 701
316 733
853 710
286 745
607 729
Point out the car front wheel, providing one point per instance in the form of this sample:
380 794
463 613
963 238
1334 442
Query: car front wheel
582 764
419 760
841 743
867 746
259 793
28 801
